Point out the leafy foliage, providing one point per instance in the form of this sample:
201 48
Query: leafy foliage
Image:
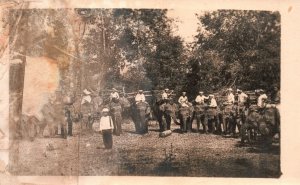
236 48
136 48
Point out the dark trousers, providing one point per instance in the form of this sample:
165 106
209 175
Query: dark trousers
107 138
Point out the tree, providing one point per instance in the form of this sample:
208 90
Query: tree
135 48
238 49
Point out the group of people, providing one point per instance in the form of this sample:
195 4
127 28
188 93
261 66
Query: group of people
111 118
201 98
217 115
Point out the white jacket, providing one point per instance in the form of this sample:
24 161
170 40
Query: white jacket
106 123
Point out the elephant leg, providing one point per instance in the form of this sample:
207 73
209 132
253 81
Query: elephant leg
184 125
225 125
119 124
218 124
90 122
160 122
114 123
229 125
204 123
168 120
164 123
255 134
86 121
244 129
143 122
233 125
189 124
137 123
209 124
63 131
70 127
213 124
173 116
198 120
181 123
239 124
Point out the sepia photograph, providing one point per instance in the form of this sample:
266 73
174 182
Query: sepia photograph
144 92
149 92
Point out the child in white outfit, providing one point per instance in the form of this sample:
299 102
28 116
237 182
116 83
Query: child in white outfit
106 127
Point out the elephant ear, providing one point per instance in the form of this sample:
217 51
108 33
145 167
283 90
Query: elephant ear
148 110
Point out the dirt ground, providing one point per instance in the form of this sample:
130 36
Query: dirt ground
190 154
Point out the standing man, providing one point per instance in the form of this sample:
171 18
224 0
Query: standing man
200 98
140 97
241 105
165 94
261 100
114 94
212 102
183 100
242 97
212 113
230 96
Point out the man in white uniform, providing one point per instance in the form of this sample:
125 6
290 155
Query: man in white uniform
261 100
213 102
230 96
165 94
200 98
183 100
242 97
86 98
140 97
114 94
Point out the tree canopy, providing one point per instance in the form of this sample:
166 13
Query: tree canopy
236 48
137 48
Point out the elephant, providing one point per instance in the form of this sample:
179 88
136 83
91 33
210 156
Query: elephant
53 119
228 121
159 113
212 118
239 113
168 112
140 115
185 115
200 116
30 127
250 127
116 113
265 121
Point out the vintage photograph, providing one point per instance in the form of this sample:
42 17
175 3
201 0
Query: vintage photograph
144 92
